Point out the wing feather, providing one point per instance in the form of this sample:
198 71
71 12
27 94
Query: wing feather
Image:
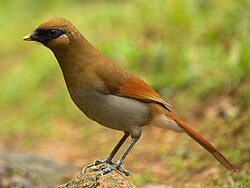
138 89
125 84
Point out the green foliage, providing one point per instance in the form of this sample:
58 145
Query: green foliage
142 178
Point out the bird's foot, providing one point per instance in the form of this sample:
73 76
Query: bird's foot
124 171
107 160
112 167
97 162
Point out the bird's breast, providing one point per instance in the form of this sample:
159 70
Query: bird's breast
112 111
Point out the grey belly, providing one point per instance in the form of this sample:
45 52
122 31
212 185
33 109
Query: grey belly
112 111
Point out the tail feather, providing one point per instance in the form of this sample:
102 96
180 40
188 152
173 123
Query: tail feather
204 143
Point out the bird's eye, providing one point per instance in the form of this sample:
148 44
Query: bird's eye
54 33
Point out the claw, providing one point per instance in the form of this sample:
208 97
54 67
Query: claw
104 171
87 166
112 167
97 162
122 170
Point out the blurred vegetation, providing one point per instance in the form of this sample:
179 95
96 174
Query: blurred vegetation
195 53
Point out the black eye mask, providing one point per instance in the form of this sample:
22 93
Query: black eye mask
44 36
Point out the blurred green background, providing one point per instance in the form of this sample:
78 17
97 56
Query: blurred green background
196 54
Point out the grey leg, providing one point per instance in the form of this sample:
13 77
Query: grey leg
117 165
111 155
116 148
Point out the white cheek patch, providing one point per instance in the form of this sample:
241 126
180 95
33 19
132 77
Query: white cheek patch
62 40
166 123
64 35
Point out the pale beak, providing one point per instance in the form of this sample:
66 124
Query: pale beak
29 37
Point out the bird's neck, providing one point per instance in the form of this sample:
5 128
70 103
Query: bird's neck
77 51
77 60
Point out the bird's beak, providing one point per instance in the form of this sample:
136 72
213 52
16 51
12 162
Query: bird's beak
28 37
31 36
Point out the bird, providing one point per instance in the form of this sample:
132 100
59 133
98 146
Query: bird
109 94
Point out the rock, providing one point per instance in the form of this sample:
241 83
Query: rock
87 179
27 170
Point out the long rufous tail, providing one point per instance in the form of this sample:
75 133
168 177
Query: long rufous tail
209 147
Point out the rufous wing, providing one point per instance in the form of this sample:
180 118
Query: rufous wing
136 88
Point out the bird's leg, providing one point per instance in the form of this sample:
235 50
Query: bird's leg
117 165
108 160
114 151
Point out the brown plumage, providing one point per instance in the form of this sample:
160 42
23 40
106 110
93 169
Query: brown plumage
109 94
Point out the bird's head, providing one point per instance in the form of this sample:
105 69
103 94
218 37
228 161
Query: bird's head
54 33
